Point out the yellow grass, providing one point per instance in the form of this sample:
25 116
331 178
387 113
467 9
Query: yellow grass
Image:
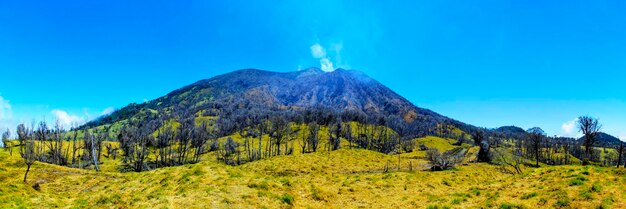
345 178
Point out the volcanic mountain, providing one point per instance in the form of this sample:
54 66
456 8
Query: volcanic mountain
339 90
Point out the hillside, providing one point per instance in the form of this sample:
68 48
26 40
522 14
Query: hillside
338 179
604 139
344 91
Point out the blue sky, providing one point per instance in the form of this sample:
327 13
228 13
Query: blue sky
488 63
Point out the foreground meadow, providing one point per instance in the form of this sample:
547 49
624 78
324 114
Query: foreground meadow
339 179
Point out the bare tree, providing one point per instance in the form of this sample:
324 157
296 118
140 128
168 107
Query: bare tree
334 133
590 127
620 152
442 161
75 147
535 136
509 159
27 148
199 138
6 141
229 150
313 139
89 156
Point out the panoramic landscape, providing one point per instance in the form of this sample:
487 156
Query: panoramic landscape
325 104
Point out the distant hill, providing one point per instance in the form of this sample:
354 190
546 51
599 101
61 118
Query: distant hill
604 139
511 131
340 90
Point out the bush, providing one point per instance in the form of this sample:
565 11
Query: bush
561 203
596 187
510 206
529 195
443 161
287 198
579 180
576 182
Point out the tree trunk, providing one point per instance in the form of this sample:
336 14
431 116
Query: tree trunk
93 155
537 156
621 150
26 174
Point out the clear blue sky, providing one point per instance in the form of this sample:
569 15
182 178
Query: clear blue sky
488 63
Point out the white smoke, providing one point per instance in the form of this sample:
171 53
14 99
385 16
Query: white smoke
318 52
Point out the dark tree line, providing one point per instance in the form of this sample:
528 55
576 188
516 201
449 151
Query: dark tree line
57 146
170 146
535 146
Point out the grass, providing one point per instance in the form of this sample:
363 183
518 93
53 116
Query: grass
340 179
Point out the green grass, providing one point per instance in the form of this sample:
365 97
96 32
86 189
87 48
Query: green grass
346 178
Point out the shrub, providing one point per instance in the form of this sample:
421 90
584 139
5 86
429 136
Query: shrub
287 198
561 203
585 195
596 187
576 182
443 161
529 195
510 206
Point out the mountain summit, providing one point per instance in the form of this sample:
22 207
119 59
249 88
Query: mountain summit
340 90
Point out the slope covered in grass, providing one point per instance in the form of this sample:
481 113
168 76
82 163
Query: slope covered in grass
338 179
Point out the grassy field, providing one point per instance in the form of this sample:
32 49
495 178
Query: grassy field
339 179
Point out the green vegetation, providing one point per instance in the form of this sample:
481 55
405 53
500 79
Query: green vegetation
346 178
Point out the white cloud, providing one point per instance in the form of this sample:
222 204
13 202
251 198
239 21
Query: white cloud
6 114
5 109
107 111
569 128
67 120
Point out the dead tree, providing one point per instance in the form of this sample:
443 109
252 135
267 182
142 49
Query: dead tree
334 133
513 160
620 152
443 161
590 128
313 139
6 142
27 148
535 137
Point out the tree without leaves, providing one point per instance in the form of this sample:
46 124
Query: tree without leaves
442 161
590 127
334 133
5 141
313 139
535 137
228 151
200 136
27 147
620 151
513 160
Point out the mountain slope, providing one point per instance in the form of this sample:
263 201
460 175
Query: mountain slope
340 90
604 139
